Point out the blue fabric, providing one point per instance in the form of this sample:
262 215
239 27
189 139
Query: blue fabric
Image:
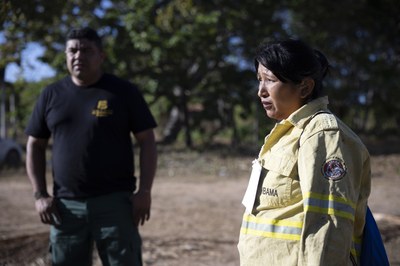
373 251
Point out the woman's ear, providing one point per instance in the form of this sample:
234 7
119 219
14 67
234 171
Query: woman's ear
306 87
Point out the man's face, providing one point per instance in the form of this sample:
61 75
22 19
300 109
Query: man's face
84 60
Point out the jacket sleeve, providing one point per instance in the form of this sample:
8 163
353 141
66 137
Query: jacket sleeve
331 168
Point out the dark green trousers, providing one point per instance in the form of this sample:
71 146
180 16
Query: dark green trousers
106 221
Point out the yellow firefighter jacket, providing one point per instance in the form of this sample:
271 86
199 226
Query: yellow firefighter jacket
312 192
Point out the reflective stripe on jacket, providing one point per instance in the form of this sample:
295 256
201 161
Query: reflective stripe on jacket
312 194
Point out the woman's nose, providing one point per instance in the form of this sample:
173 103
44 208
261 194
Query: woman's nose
262 90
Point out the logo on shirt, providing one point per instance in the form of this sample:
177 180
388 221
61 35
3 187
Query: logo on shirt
102 109
334 169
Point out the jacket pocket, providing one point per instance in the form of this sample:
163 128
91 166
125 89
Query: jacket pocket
279 182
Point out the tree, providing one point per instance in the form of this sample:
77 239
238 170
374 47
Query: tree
195 58
164 46
358 37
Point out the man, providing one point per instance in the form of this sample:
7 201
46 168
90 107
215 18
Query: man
90 116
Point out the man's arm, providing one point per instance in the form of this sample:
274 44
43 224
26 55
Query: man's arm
36 163
148 164
36 170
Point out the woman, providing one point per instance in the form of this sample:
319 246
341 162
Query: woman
307 196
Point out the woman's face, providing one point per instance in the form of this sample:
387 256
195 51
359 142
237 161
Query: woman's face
278 99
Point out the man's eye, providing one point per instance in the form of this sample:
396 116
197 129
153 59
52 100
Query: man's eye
87 51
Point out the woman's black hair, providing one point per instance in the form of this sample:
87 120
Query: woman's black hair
292 61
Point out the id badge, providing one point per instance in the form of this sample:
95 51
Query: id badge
251 191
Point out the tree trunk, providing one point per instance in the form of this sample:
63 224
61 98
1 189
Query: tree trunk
3 129
186 122
173 126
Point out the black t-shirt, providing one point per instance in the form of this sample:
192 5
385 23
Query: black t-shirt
91 129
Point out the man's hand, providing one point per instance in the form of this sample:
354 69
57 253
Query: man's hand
141 203
47 211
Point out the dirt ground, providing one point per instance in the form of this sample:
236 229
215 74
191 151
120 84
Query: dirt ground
196 212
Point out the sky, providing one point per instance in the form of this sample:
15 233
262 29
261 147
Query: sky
31 69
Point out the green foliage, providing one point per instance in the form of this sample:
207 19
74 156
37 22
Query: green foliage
197 55
362 47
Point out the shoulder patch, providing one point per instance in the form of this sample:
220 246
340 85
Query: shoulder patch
334 169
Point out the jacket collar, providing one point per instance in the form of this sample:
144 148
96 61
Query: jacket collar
300 117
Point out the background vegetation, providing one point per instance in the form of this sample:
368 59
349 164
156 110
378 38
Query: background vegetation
194 59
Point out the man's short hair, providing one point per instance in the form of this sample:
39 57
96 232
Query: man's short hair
85 33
